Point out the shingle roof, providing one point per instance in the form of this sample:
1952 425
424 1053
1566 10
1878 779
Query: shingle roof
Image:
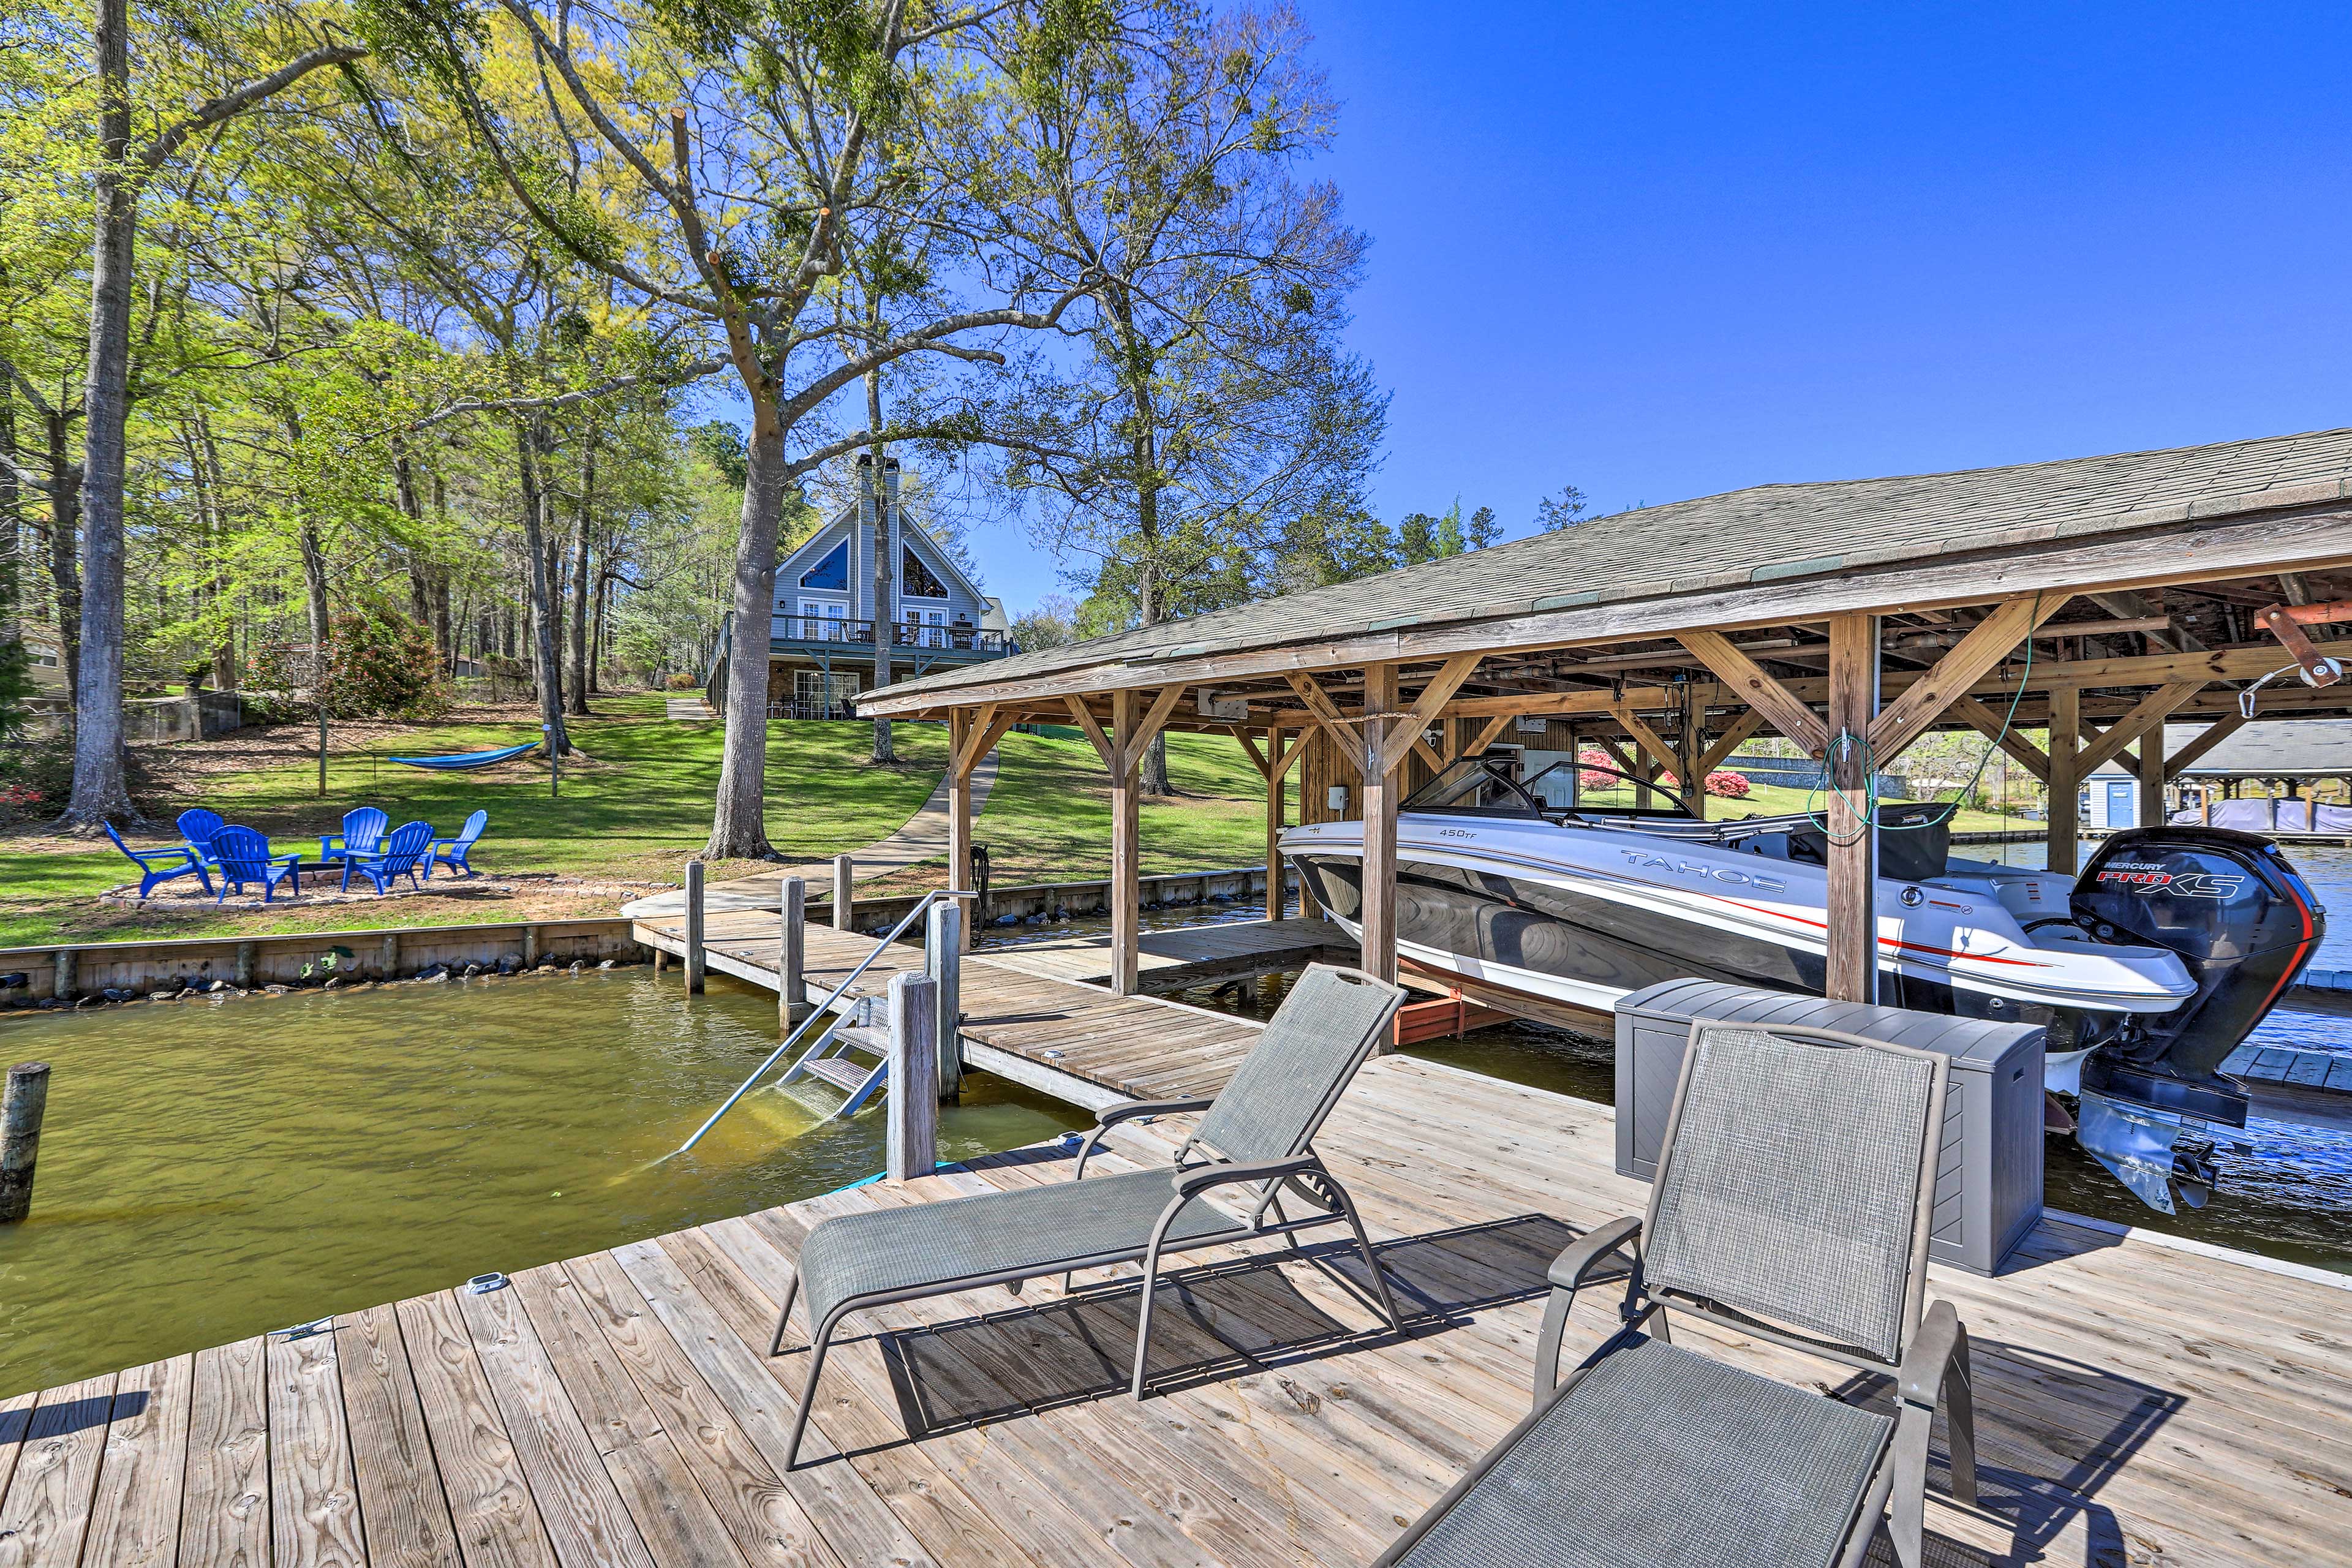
1742 537
2299 748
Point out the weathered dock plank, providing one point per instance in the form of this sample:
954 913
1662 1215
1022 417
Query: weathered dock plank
2136 1401
225 1506
135 1517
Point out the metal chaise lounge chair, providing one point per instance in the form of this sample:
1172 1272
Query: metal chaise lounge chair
1257 1137
1791 1205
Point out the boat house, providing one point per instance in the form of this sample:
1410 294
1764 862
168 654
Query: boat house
2095 598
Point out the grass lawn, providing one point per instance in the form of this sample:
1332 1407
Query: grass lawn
1782 800
633 809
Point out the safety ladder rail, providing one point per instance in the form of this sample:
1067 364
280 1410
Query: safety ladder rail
823 1010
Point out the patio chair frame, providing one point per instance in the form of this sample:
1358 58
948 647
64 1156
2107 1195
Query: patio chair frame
148 876
1931 1368
1301 1172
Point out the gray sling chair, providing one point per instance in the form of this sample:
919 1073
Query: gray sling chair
1792 1205
1257 1135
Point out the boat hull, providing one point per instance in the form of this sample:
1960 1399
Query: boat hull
1553 942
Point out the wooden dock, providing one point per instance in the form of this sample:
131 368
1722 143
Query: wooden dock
2137 1403
1078 1042
1186 956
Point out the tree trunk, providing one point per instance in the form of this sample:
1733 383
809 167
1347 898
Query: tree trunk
600 628
738 827
100 793
530 446
420 582
579 682
444 633
12 555
884 751
65 544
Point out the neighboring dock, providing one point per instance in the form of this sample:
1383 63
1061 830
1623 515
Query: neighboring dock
2136 1403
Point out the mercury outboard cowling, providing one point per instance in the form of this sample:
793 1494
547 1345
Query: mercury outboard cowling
2242 922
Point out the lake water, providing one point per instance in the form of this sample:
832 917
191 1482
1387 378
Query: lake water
212 1170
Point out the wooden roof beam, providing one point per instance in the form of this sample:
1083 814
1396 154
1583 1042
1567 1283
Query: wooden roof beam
1901 721
1985 721
2148 714
1761 692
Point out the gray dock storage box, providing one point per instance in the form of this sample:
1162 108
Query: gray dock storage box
1989 1180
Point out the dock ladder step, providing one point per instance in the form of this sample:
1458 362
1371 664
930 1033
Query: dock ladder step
828 1059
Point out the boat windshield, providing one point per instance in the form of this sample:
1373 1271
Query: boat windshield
1475 787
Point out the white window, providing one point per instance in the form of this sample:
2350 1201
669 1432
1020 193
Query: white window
818 694
42 657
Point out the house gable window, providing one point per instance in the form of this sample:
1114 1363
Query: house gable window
917 581
831 572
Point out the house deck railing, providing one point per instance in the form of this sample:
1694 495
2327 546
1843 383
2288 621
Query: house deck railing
965 639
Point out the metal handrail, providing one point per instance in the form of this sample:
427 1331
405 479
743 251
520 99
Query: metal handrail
820 1010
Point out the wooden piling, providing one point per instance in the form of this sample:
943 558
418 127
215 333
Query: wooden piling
61 977
27 1097
843 874
249 965
531 947
792 951
390 958
1853 913
914 1098
693 961
943 946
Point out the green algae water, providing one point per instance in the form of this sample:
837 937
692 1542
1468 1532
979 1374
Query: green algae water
211 1170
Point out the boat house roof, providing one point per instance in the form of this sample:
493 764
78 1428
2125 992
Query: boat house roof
1741 557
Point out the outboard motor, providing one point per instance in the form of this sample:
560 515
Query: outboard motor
2244 924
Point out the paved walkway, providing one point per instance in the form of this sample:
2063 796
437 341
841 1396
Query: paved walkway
691 710
924 838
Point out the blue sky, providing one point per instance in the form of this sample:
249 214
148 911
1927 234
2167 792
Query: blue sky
1660 251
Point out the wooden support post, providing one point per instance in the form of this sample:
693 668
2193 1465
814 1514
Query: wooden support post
943 945
2065 782
27 1096
961 735
1377 951
694 928
62 983
531 947
249 965
1852 970
390 957
914 1097
2151 778
1314 788
792 951
1275 788
1690 748
845 875
1126 846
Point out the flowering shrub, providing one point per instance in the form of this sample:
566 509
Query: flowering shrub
1723 782
22 796
1586 779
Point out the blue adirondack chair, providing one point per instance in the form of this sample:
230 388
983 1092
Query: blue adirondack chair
452 852
197 827
161 865
241 855
402 848
363 834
